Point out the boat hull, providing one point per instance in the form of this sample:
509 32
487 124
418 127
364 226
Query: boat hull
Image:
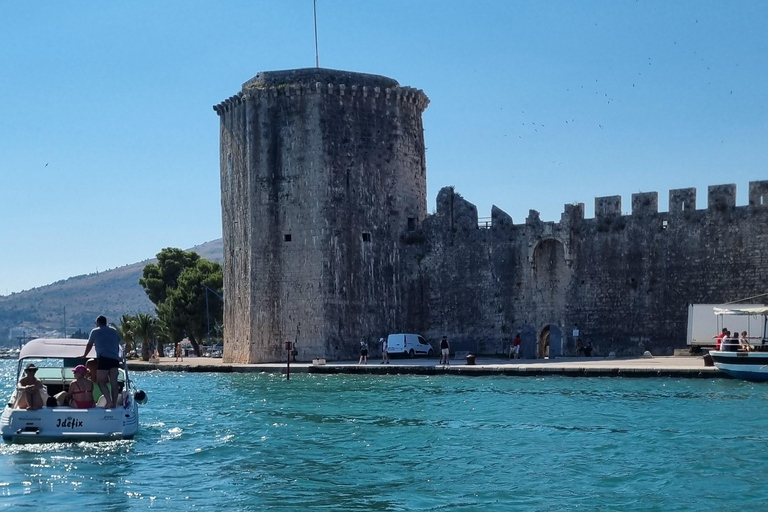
68 424
752 366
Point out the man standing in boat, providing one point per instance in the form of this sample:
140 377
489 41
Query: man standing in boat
107 343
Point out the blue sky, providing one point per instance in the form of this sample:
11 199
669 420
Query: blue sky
109 145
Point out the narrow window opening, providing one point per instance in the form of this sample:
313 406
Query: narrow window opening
762 200
288 237
411 223
366 237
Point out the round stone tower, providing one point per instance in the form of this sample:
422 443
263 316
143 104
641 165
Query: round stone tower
323 176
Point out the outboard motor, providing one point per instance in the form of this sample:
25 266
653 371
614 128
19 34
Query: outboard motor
140 396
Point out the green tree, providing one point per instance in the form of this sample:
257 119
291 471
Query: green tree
126 331
177 286
159 278
144 330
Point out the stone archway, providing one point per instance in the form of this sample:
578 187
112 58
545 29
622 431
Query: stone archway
542 344
549 342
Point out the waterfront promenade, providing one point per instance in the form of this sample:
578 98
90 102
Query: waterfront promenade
677 366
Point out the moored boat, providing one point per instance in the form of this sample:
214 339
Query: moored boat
55 360
732 358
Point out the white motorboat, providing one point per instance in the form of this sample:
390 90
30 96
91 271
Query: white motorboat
732 358
55 360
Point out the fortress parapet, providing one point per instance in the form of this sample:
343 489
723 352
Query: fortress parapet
645 203
609 206
721 197
682 200
758 193
344 85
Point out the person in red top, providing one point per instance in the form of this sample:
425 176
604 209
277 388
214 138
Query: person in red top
720 338
514 350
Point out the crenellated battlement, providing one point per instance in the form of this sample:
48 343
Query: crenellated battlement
682 201
607 206
313 82
645 203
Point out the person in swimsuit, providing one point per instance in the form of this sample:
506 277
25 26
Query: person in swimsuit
363 352
29 390
80 393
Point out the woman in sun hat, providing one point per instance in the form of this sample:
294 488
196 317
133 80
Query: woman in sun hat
80 392
29 390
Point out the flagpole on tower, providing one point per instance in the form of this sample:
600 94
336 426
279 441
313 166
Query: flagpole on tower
317 55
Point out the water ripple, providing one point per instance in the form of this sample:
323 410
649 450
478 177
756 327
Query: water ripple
395 443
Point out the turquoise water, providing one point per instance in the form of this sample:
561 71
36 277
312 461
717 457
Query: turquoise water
257 442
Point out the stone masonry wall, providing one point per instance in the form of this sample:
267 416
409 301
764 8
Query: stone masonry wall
624 281
328 173
327 240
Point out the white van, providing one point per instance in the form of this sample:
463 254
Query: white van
408 344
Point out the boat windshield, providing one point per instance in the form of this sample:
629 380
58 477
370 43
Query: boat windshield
56 369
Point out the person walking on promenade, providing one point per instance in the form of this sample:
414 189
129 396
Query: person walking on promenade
384 349
106 341
514 350
363 352
445 351
179 354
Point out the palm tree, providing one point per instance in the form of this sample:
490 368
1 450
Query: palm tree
144 330
126 331
164 335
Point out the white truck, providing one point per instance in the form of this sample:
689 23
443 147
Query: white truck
704 326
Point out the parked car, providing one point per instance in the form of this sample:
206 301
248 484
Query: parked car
410 345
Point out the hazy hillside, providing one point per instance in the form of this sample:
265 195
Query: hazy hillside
112 293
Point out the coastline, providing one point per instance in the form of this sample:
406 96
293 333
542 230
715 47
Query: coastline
669 366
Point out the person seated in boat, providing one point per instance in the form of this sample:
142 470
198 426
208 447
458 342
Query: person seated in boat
744 342
80 392
93 367
30 387
730 342
719 340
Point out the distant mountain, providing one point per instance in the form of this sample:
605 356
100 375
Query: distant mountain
82 298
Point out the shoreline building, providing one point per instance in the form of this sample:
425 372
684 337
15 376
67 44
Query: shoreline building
327 240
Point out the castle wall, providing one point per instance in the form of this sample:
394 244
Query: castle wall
330 173
623 280
327 240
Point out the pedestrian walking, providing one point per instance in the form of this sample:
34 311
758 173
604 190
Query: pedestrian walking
445 351
363 352
384 351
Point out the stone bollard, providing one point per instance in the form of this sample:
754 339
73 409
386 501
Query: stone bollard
708 361
470 359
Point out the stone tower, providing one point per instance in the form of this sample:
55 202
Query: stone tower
323 175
